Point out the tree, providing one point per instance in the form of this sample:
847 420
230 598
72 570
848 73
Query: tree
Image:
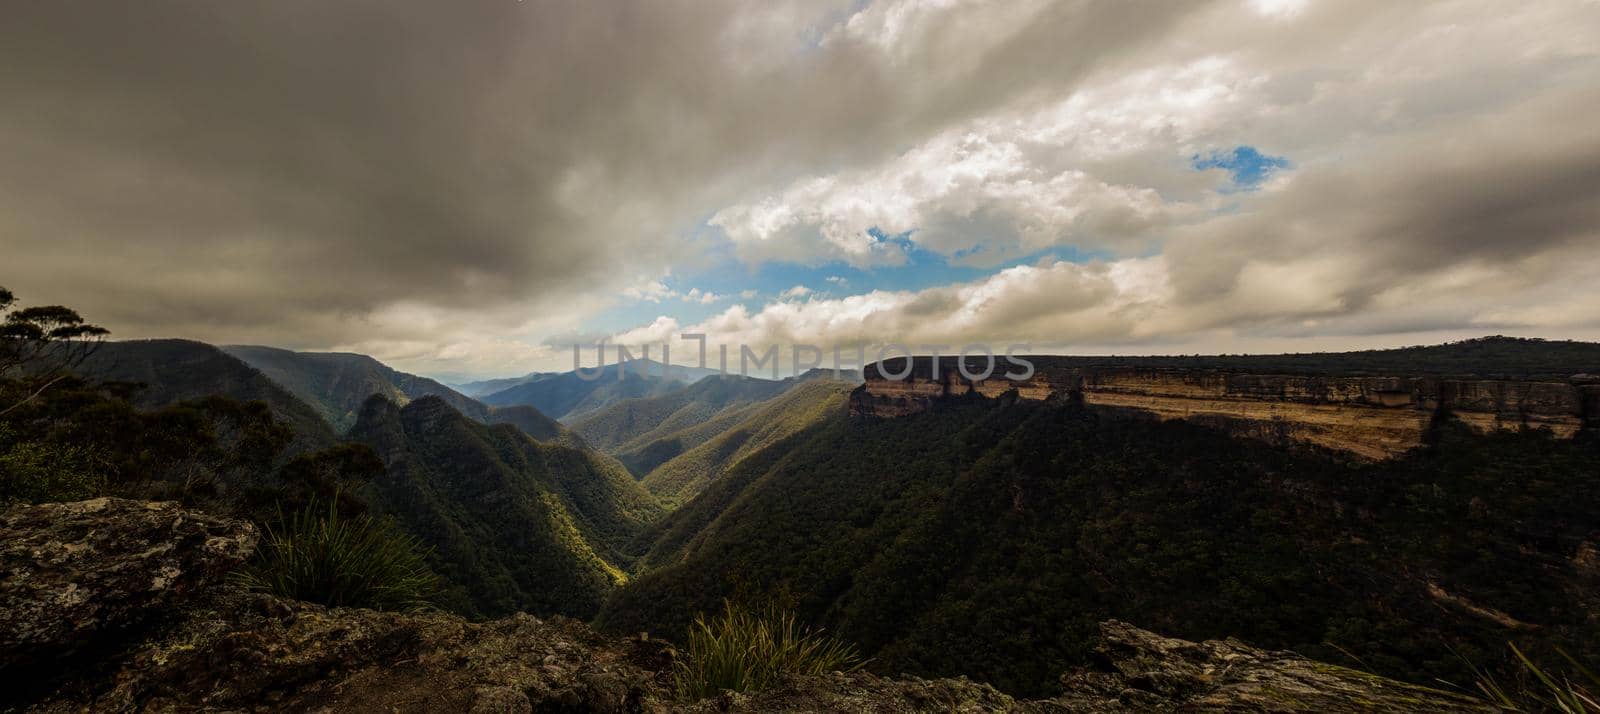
41 345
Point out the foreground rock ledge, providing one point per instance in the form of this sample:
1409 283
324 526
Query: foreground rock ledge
226 650
72 574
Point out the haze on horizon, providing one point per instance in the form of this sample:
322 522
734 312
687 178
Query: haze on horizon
465 189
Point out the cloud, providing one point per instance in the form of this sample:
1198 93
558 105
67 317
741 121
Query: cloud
704 298
282 172
448 186
1469 226
655 291
650 291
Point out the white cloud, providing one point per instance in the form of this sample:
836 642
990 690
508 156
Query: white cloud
1278 8
655 291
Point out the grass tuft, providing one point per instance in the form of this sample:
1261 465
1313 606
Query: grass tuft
747 650
319 555
1540 690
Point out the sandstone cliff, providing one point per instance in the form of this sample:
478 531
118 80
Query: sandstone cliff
1371 416
138 579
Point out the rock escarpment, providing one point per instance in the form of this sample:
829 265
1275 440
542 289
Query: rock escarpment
107 563
1372 417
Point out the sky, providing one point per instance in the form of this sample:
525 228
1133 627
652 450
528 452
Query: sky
466 189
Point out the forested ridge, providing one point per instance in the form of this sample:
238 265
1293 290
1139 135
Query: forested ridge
988 539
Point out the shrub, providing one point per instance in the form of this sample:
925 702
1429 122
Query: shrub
750 650
40 472
318 555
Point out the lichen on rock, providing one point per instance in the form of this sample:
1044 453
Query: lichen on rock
75 574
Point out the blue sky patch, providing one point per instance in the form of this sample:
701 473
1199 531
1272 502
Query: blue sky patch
756 285
1247 166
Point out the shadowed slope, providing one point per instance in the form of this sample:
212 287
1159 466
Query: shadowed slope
516 524
338 383
178 370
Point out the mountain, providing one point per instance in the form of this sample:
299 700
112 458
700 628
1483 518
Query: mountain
647 426
485 387
680 372
652 368
337 384
761 425
565 396
178 370
987 537
515 524
531 421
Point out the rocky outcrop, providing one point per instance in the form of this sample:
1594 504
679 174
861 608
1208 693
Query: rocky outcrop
1372 417
73 575
1143 671
1137 671
105 563
249 652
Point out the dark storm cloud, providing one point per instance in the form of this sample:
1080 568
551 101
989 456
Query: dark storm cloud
278 171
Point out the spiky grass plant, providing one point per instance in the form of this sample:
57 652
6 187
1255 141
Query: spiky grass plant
319 555
1543 691
747 650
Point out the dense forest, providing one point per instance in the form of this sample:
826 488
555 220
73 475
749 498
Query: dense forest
988 539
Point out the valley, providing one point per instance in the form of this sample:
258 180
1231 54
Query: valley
980 528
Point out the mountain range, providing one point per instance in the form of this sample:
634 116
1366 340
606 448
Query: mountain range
983 534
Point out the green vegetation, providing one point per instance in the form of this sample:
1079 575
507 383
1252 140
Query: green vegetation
633 423
515 524
684 476
988 539
319 555
39 472
749 650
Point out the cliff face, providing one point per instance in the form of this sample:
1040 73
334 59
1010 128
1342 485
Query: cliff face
1372 417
